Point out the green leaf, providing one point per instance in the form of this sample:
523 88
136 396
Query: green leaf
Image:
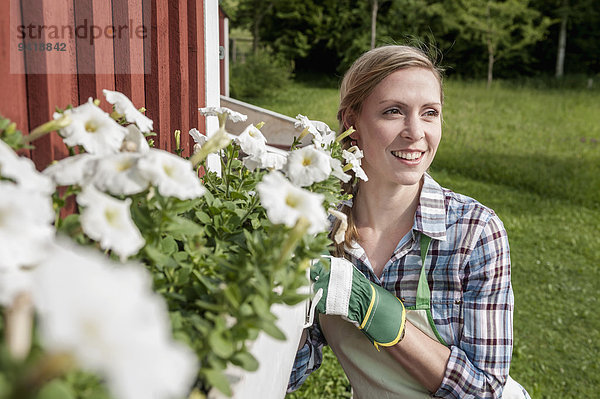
160 260
56 389
245 360
168 245
220 345
203 217
182 226
270 328
217 379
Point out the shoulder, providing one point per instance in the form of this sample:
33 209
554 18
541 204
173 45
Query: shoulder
463 209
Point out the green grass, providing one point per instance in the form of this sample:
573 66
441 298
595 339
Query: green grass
532 155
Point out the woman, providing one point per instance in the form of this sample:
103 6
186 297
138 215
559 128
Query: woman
443 255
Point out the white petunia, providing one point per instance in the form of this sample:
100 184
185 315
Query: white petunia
26 233
118 174
308 165
76 169
14 282
22 171
124 106
134 140
198 137
93 129
323 135
338 171
111 323
285 203
108 221
268 160
252 141
222 113
353 157
172 175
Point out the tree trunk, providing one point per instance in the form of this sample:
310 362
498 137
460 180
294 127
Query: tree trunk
490 72
375 6
562 44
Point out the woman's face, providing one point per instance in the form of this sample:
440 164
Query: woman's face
400 126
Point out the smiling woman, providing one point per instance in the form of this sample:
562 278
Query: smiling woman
422 271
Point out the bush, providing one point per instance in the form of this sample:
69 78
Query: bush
258 74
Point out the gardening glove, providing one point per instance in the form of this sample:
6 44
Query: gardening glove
345 291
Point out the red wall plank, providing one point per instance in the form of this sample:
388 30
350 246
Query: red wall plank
129 54
157 82
13 102
51 79
196 65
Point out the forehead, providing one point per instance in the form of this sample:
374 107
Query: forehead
410 84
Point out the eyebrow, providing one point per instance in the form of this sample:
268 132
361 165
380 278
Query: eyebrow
404 104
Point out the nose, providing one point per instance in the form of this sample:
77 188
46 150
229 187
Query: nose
413 128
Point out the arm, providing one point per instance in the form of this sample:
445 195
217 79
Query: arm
424 358
308 357
478 366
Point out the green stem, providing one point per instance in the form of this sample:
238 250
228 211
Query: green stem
293 239
250 210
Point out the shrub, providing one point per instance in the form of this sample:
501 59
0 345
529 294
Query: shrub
258 74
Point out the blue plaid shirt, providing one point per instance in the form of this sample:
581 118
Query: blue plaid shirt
471 295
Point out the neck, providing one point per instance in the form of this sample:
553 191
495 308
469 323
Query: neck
387 209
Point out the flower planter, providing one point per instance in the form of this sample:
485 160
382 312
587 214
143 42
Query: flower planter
275 358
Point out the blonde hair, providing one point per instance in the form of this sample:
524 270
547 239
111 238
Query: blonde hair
359 81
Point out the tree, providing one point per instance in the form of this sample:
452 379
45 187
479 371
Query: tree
374 8
503 27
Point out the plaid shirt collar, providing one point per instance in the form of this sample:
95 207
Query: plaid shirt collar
430 218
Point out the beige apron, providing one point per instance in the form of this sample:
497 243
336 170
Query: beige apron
375 374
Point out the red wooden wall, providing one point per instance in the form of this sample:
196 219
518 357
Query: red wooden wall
161 69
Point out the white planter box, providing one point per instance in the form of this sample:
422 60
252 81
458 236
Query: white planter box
275 359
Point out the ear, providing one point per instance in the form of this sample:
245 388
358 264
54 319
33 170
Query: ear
348 118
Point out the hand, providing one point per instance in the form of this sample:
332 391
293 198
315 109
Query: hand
345 291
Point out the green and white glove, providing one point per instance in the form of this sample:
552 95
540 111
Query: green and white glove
345 291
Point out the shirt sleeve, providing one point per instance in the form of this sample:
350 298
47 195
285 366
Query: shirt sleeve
308 358
478 367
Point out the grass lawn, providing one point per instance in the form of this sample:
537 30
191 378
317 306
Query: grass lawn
534 157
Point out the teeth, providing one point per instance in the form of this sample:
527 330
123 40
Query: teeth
407 155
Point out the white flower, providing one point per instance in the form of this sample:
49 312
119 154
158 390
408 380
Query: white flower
134 140
353 157
223 112
26 233
323 135
13 282
268 160
198 137
338 171
252 141
172 175
118 174
308 165
22 170
286 203
109 320
306 124
108 221
76 169
124 106
340 233
93 129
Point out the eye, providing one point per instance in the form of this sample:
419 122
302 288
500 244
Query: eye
392 111
431 113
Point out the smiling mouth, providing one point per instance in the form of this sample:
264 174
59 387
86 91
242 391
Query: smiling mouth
408 155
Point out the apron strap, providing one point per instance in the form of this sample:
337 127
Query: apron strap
423 294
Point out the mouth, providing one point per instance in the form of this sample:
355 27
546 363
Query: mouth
412 156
